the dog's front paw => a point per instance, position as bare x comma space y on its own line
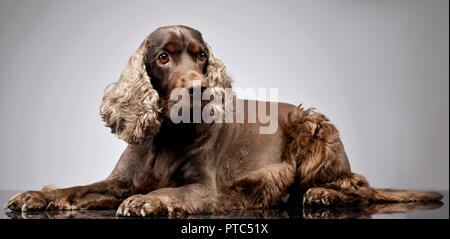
38, 200
30, 200
142, 205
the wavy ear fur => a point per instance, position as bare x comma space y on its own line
131, 107
216, 73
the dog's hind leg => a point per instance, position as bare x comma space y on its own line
316, 150
355, 190
349, 191
261, 188
322, 168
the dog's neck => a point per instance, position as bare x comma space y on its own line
183, 134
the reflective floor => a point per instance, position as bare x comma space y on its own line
411, 210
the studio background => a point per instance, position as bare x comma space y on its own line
378, 69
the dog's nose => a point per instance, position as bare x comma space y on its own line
196, 85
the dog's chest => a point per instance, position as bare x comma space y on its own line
161, 170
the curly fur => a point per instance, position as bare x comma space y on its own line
322, 166
131, 107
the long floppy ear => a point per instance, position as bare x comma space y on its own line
131, 107
216, 72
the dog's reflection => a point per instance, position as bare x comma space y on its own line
273, 213
368, 211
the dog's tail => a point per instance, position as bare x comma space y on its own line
357, 191
392, 195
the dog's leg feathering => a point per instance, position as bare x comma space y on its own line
323, 171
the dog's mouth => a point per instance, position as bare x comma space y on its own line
191, 99
194, 103
197, 91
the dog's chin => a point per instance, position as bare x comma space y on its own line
191, 106
194, 109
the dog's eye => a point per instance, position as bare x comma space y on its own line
163, 58
202, 56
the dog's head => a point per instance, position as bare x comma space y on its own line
170, 57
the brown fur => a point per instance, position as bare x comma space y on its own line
323, 168
172, 168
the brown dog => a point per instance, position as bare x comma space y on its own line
203, 168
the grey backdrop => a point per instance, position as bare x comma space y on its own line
378, 69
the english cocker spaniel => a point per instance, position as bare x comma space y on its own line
207, 167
